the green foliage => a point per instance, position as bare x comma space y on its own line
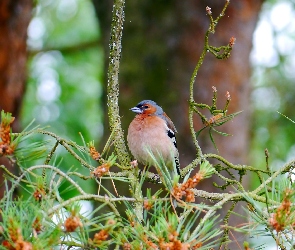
23, 220
278, 219
160, 228
45, 219
219, 116
273, 85
65, 72
6, 118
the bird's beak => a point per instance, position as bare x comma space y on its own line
136, 110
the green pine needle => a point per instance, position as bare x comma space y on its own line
286, 117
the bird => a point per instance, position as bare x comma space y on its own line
153, 132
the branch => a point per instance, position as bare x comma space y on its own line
61, 173
113, 94
69, 48
236, 167
240, 196
113, 82
207, 47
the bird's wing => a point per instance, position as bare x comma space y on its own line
171, 130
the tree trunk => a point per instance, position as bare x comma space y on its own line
15, 16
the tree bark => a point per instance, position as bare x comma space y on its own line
15, 16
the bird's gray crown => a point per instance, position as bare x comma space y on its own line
159, 109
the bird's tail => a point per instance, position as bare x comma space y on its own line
177, 165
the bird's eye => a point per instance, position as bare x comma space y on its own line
145, 106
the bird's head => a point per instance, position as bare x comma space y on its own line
147, 107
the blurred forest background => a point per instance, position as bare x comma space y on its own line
59, 78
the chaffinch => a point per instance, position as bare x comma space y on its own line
152, 129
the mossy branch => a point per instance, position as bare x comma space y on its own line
113, 82
113, 99
222, 52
